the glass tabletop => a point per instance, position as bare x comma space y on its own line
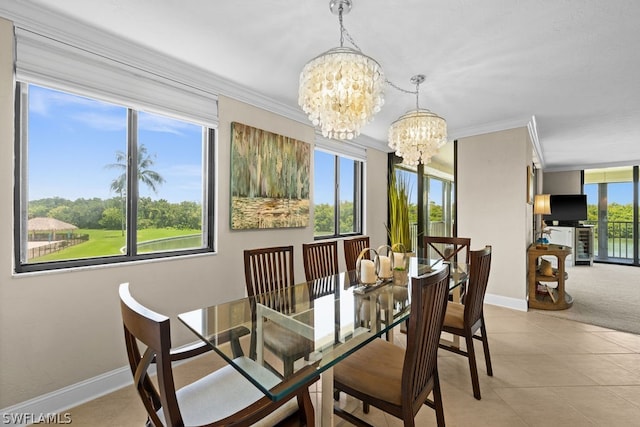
328, 318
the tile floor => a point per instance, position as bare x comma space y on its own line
547, 372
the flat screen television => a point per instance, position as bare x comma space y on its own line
567, 209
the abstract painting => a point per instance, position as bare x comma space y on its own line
269, 179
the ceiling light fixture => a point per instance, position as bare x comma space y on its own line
342, 89
419, 134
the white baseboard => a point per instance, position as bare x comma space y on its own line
512, 303
68, 397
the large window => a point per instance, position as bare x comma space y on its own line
337, 195
102, 183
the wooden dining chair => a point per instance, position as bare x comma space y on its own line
449, 249
269, 279
393, 379
464, 320
221, 398
352, 248
320, 259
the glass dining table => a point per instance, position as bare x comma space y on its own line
334, 315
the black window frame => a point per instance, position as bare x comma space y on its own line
209, 220
358, 198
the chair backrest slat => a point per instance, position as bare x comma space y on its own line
320, 259
269, 276
320, 265
429, 295
480, 267
352, 248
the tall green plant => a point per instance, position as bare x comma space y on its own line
398, 228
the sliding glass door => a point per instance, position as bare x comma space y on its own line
432, 195
612, 200
440, 206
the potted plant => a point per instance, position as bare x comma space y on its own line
399, 226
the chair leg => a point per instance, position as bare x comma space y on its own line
485, 346
288, 366
437, 400
471, 355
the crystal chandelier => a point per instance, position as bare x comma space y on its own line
418, 135
342, 89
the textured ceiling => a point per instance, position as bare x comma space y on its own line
490, 65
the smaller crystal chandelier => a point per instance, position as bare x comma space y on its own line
342, 89
418, 135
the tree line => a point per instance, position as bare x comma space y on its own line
616, 213
324, 214
96, 213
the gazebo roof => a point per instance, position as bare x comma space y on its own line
48, 224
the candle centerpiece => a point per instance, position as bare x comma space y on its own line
385, 257
367, 266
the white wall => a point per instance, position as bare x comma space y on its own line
492, 208
58, 329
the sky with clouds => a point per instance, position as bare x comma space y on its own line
73, 140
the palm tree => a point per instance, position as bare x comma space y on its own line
150, 178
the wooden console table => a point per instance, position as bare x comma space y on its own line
553, 298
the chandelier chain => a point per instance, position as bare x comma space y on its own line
396, 87
345, 33
342, 29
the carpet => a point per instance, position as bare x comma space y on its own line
604, 295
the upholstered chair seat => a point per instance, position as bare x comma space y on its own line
225, 392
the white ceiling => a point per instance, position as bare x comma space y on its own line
572, 66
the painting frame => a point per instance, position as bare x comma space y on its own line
269, 178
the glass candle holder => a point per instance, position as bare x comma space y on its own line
399, 257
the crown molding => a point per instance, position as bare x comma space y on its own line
485, 128
579, 167
532, 127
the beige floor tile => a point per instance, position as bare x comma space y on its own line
529, 343
552, 324
526, 370
630, 393
630, 362
600, 368
629, 341
540, 406
585, 342
600, 405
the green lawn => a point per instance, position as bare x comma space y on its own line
109, 242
